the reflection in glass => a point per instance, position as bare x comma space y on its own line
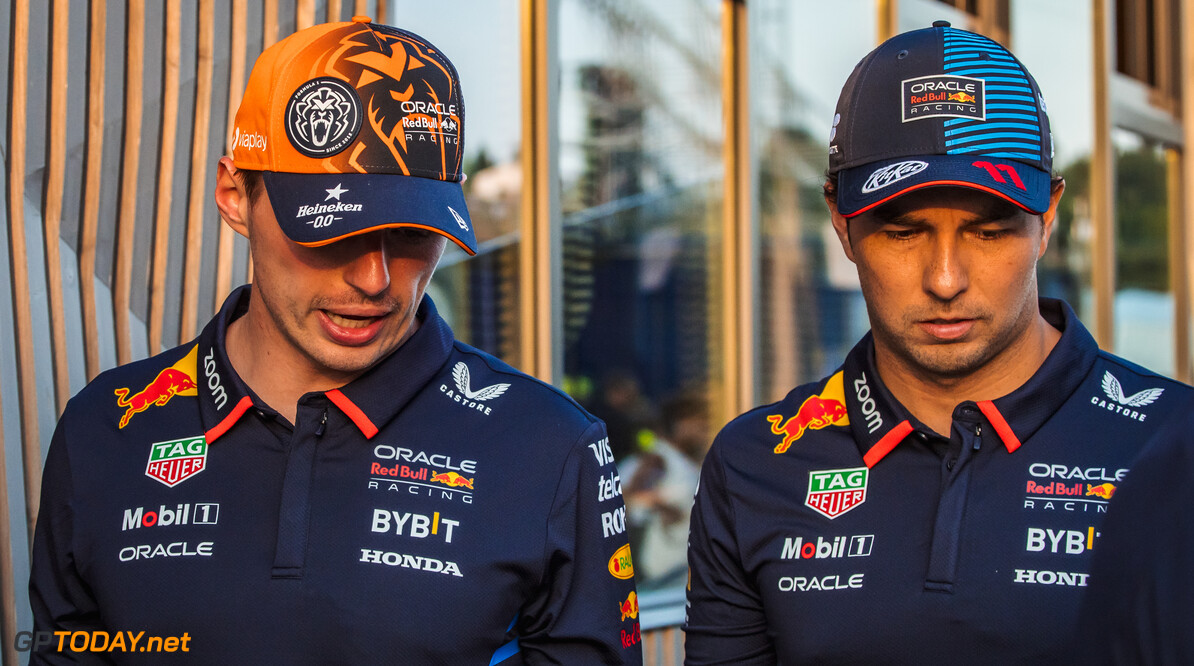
810, 306
1143, 298
642, 178
479, 296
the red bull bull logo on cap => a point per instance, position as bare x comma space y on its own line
815, 413
833, 492
178, 379
177, 460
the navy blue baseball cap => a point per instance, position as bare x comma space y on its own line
940, 107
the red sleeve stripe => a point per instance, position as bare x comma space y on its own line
230, 420
1005, 431
353, 412
887, 443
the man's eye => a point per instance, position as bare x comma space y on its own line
411, 234
991, 234
900, 234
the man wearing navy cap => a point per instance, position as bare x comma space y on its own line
938, 498
325, 475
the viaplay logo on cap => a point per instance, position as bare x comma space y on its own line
944, 96
323, 117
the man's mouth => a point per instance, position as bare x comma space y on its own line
947, 329
350, 321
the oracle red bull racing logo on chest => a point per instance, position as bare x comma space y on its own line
177, 460
815, 413
178, 379
833, 492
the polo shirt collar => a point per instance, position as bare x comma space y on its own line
879, 422
370, 401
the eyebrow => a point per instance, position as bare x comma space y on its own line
998, 211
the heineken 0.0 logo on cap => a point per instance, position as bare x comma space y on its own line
832, 492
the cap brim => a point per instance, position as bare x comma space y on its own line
315, 209
862, 188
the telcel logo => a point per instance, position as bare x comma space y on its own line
182, 514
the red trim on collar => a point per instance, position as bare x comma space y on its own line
353, 412
887, 443
230, 420
1010, 441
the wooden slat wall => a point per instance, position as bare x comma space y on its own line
111, 240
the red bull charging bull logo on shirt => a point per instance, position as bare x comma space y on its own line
815, 413
178, 379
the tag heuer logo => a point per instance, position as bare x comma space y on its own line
833, 492
177, 460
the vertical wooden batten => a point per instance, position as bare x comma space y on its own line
18, 260
1186, 84
738, 256
27, 380
1102, 182
889, 19
334, 11
1178, 265
54, 194
127, 211
536, 353
165, 184
236, 89
92, 183
304, 14
198, 194
269, 24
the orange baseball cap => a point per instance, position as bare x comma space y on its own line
357, 126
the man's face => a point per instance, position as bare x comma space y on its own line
948, 275
343, 306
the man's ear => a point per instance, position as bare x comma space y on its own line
1050, 215
841, 227
231, 198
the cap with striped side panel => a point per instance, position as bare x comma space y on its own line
936, 107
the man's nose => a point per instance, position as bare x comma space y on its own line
368, 269
945, 274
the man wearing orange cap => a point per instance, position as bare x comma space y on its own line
325, 474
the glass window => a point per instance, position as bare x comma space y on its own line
1144, 303
810, 308
1068, 88
641, 176
479, 296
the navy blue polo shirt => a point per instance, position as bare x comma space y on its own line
441, 508
833, 527
1140, 605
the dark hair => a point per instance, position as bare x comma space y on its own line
830, 186
252, 182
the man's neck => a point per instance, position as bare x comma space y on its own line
271, 365
932, 399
